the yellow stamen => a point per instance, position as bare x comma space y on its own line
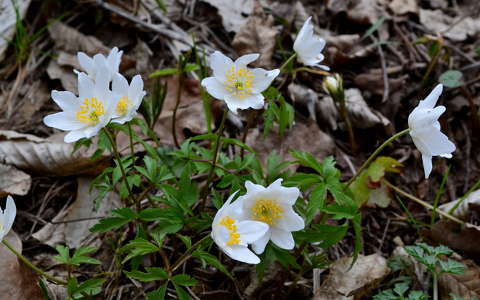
267, 211
123, 105
239, 82
90, 111
228, 223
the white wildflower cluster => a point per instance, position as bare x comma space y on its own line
104, 96
261, 215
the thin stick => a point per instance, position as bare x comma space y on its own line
374, 154
421, 202
186, 255
32, 266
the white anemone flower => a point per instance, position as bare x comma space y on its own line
236, 84
233, 236
425, 130
7, 217
87, 114
309, 46
130, 97
93, 65
272, 205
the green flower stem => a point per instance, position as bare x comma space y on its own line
120, 164
177, 104
374, 155
215, 155
32, 266
130, 136
288, 61
313, 71
435, 286
186, 255
421, 202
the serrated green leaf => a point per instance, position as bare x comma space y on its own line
184, 279
152, 274
212, 260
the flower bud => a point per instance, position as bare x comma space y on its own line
333, 85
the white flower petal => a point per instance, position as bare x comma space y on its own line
254, 101
66, 100
243, 254
309, 46
306, 30
85, 62
432, 98
8, 216
260, 244
63, 121
290, 221
427, 165
120, 85
285, 195
251, 231
244, 60
74, 136
262, 79
86, 86
220, 64
282, 238
135, 91
214, 87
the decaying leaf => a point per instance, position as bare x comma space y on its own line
47, 156
18, 281
327, 112
463, 209
304, 96
8, 20
361, 115
373, 81
462, 240
73, 224
13, 181
348, 282
257, 36
302, 137
456, 29
64, 74
402, 7
234, 13
366, 11
190, 116
344, 48
466, 286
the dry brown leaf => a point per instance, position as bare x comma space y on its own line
337, 6
402, 7
190, 116
302, 137
77, 234
13, 181
373, 81
348, 282
327, 111
463, 209
257, 36
8, 20
366, 11
462, 240
18, 281
344, 48
466, 286
64, 74
304, 96
361, 115
234, 13
456, 29
47, 156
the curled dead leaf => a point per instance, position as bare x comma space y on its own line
366, 11
13, 181
454, 28
304, 96
234, 13
49, 156
361, 115
463, 209
18, 281
73, 224
373, 81
402, 7
64, 74
348, 282
344, 48
257, 36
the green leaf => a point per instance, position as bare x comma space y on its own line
152, 274
451, 266
164, 72
184, 279
191, 67
451, 79
374, 27
138, 247
64, 256
181, 293
90, 287
80, 258
211, 260
125, 216
158, 294
316, 201
327, 235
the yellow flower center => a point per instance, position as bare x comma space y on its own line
239, 82
123, 105
229, 223
267, 211
90, 111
